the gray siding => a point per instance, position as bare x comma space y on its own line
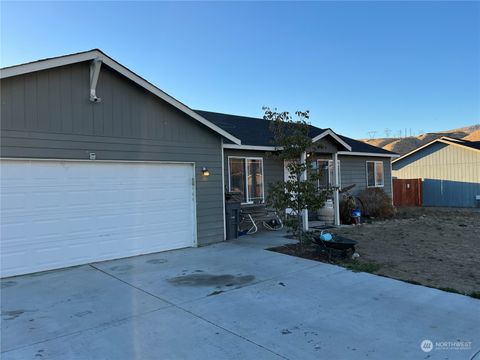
327, 146
272, 168
451, 174
47, 114
354, 171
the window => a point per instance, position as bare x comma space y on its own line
325, 167
246, 177
374, 173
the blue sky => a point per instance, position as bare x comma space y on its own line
357, 66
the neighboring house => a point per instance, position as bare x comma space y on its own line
449, 168
98, 163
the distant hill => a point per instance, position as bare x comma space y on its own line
474, 136
406, 144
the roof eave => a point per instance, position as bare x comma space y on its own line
335, 136
374, 154
444, 140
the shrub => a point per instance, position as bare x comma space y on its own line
475, 294
347, 205
376, 203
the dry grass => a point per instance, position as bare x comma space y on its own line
432, 247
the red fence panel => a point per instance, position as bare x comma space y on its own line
407, 192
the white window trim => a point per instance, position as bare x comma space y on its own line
330, 181
335, 136
375, 174
246, 158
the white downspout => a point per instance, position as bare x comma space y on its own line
303, 159
223, 193
336, 203
391, 179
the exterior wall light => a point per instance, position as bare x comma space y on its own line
205, 172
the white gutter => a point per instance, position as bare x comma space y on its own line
367, 154
273, 148
250, 147
47, 64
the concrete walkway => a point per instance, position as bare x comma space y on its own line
229, 301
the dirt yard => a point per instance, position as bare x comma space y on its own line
436, 247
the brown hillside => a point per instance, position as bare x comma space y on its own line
474, 136
407, 144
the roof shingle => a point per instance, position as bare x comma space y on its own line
256, 131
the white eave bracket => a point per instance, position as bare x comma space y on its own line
94, 73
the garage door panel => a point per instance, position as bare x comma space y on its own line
61, 213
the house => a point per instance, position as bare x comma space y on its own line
358, 163
449, 169
98, 163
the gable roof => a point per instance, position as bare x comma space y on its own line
471, 145
255, 133
97, 54
252, 131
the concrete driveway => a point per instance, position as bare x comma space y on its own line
230, 301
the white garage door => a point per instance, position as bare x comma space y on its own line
62, 213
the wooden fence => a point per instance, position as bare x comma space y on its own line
407, 192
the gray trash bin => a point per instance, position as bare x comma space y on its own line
232, 214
